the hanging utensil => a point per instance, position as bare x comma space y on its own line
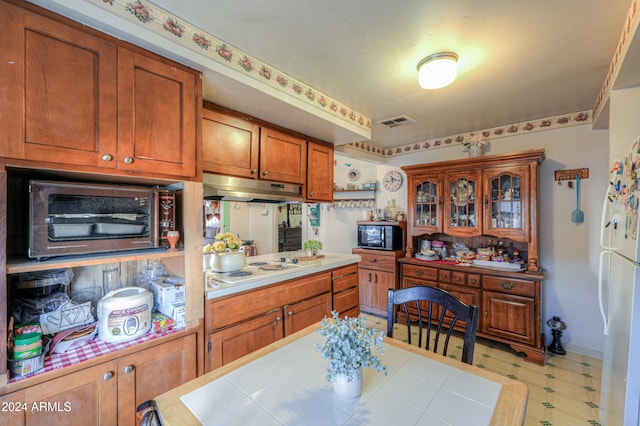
577, 216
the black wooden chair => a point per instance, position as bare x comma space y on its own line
403, 299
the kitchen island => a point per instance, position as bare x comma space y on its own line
278, 298
284, 383
220, 284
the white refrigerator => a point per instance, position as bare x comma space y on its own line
619, 292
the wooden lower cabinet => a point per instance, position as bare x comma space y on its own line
378, 272
240, 324
248, 336
302, 314
245, 337
509, 302
346, 291
146, 374
89, 396
107, 393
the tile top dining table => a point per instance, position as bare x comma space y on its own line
285, 383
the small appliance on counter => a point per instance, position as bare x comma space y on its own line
124, 314
379, 235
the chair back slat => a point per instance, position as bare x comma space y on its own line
400, 300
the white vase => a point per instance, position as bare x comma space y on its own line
475, 151
346, 389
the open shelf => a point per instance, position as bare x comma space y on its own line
19, 265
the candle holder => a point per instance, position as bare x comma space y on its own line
556, 325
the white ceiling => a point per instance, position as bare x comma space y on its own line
519, 60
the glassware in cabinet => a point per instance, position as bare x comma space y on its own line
507, 202
428, 203
462, 209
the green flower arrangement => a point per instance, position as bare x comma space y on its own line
348, 346
312, 245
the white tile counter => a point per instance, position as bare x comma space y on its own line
284, 383
330, 261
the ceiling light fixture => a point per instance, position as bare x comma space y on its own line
437, 70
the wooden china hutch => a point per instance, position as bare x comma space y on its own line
478, 202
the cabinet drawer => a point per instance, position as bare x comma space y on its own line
421, 272
345, 300
347, 270
509, 285
380, 262
459, 278
346, 281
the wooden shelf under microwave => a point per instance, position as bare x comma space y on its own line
20, 265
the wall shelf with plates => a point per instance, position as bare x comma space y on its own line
356, 198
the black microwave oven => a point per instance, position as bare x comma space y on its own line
68, 218
381, 237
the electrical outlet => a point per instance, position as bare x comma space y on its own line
392, 202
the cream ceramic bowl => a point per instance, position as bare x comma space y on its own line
228, 261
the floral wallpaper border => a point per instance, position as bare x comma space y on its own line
171, 27
630, 27
566, 120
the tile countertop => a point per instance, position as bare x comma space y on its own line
301, 269
284, 383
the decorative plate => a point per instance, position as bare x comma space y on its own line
353, 175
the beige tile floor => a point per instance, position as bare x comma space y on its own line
563, 392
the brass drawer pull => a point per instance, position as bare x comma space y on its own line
419, 272
507, 285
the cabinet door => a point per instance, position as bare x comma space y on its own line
151, 372
58, 99
462, 208
230, 145
426, 203
509, 316
283, 158
319, 172
88, 396
245, 337
302, 314
156, 116
365, 284
506, 199
382, 282
467, 295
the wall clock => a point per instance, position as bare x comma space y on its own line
392, 181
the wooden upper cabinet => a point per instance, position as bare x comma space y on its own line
230, 145
506, 199
58, 91
156, 116
319, 172
426, 197
283, 157
462, 203
72, 96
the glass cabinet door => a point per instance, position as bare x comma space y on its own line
428, 203
462, 212
507, 202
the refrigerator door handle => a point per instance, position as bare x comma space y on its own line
600, 289
604, 223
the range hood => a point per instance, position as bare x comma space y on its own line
227, 188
